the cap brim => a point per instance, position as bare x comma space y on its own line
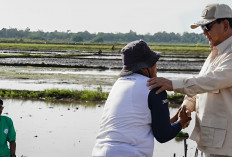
202, 23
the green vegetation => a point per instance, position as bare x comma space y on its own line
186, 49
71, 95
181, 136
175, 99
166, 49
21, 36
56, 94
59, 47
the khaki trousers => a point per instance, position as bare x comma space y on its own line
212, 155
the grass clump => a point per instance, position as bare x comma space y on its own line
181, 136
61, 94
56, 94
175, 99
73, 95
93, 95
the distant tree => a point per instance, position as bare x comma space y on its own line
193, 38
36, 36
86, 35
77, 38
67, 36
3, 33
130, 36
97, 39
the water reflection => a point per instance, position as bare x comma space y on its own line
49, 129
67, 129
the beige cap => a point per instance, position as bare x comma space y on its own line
213, 12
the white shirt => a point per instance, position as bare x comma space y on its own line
125, 129
213, 91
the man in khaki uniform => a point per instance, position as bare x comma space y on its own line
210, 93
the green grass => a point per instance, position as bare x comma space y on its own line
56, 94
175, 99
186, 49
181, 136
37, 47
72, 95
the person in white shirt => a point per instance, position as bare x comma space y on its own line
133, 115
210, 93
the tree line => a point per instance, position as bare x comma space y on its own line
16, 35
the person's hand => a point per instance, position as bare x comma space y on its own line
189, 103
184, 117
175, 117
161, 82
188, 113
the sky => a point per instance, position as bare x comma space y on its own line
108, 16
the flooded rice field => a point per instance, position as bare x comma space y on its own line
109, 60
41, 78
65, 130
163, 65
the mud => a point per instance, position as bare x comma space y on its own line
103, 62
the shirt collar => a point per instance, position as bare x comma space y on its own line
222, 46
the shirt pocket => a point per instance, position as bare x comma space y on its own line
213, 132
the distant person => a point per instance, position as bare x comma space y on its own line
7, 134
133, 115
210, 93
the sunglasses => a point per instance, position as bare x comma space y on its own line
208, 27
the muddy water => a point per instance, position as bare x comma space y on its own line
58, 130
65, 130
46, 129
41, 78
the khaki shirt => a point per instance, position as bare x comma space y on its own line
212, 89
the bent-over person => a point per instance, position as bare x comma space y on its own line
133, 115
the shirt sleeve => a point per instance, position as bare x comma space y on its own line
190, 103
11, 134
162, 129
219, 77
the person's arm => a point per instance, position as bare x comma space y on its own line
162, 129
11, 138
190, 104
12, 148
219, 78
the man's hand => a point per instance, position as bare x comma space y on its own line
161, 82
175, 117
183, 117
189, 103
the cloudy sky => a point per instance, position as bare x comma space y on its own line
111, 16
